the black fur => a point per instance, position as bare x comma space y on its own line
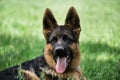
32, 65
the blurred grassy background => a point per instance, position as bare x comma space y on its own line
21, 35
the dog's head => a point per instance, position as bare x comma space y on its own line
62, 49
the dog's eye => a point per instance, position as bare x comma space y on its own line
66, 38
54, 39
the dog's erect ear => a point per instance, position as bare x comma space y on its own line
73, 20
49, 22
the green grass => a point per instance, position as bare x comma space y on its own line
21, 35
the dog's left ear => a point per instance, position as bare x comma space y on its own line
73, 20
49, 23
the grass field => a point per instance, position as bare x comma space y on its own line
21, 35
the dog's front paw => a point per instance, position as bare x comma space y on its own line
28, 75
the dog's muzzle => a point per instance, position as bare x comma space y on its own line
62, 58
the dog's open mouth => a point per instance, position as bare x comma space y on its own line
61, 64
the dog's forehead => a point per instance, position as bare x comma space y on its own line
61, 30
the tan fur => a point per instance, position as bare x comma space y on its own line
76, 55
48, 56
28, 75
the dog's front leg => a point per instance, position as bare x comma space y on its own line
28, 75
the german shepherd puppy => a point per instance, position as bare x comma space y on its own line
61, 58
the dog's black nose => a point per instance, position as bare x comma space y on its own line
60, 51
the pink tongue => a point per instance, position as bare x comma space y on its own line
61, 65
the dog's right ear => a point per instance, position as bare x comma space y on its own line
73, 20
49, 23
